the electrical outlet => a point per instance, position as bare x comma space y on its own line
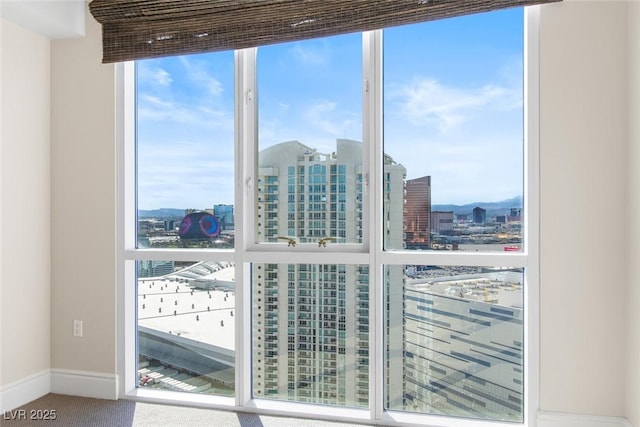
77, 328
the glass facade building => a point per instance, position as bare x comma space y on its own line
312, 197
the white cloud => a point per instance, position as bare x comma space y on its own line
317, 124
325, 116
185, 126
156, 109
194, 173
317, 115
197, 73
162, 77
426, 101
166, 113
155, 101
474, 165
155, 76
283, 108
307, 54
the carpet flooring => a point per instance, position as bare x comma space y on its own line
71, 411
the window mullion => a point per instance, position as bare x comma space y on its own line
126, 225
246, 125
245, 143
372, 135
477, 259
532, 210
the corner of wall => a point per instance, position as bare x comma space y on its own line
85, 384
632, 391
24, 391
25, 255
83, 248
583, 197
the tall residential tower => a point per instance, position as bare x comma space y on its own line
311, 321
417, 213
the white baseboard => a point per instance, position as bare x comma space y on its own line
24, 391
558, 419
85, 384
105, 386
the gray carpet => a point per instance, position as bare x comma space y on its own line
85, 412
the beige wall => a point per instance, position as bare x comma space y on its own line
25, 205
83, 205
583, 204
633, 294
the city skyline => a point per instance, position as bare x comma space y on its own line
310, 322
470, 206
470, 123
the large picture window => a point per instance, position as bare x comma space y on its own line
461, 101
185, 151
310, 150
454, 341
343, 222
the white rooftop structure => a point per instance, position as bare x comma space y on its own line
172, 304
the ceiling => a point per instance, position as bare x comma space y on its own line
53, 19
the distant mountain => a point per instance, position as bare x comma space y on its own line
161, 213
492, 208
501, 207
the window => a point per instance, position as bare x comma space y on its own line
186, 326
185, 152
184, 155
310, 121
451, 329
343, 222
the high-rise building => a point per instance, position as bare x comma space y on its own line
171, 224
479, 215
311, 321
515, 214
417, 213
150, 268
442, 222
224, 213
464, 345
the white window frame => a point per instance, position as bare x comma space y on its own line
247, 135
371, 252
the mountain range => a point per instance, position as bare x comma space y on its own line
502, 207
493, 208
161, 213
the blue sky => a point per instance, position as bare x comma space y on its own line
453, 110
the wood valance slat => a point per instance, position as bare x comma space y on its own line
136, 29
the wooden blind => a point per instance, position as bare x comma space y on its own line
137, 29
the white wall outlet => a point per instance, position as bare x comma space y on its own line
77, 328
